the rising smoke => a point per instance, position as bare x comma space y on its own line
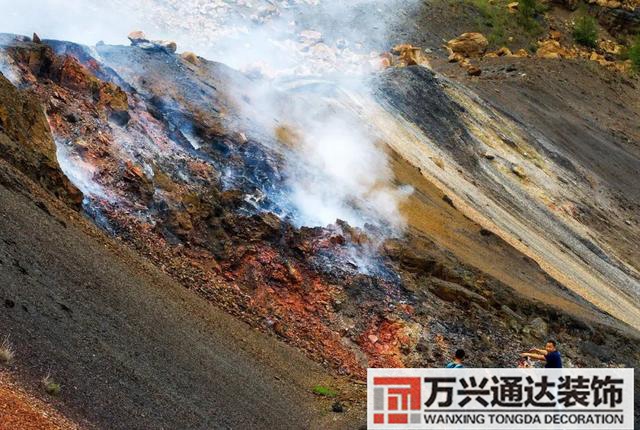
335, 168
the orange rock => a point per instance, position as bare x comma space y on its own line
521, 53
455, 58
469, 44
504, 52
473, 70
552, 49
137, 37
190, 57
410, 55
555, 35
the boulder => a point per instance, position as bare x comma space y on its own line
137, 37
538, 328
473, 70
552, 49
511, 313
610, 47
451, 292
455, 58
469, 44
190, 57
521, 53
410, 55
167, 45
504, 52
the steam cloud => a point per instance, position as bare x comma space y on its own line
336, 170
79, 172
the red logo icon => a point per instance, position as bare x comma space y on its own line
396, 400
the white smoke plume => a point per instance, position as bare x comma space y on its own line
79, 172
336, 170
340, 173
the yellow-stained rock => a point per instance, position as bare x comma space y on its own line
552, 49
469, 44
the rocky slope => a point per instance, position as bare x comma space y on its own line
155, 175
517, 209
131, 348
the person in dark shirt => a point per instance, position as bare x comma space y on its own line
457, 360
550, 355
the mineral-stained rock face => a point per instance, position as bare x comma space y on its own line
174, 158
26, 141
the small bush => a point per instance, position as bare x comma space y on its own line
528, 8
7, 353
634, 53
50, 386
528, 11
585, 31
324, 391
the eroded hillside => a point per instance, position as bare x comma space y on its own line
445, 200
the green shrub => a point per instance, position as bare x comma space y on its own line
634, 53
531, 8
585, 30
528, 8
50, 386
528, 11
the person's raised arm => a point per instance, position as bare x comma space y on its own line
539, 357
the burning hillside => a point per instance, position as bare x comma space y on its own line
371, 205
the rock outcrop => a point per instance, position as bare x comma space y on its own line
138, 38
27, 143
469, 45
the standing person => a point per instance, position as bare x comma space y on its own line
550, 355
457, 360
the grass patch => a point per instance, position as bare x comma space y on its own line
525, 23
585, 30
7, 352
528, 12
51, 386
321, 390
